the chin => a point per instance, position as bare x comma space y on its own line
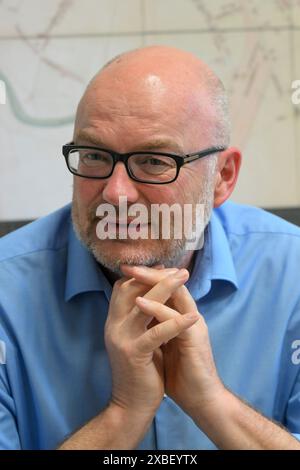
112, 253
126, 250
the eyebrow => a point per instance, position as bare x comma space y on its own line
157, 143
87, 137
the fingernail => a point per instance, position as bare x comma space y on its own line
181, 274
142, 268
126, 266
142, 300
191, 316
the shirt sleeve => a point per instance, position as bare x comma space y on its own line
9, 437
292, 414
293, 410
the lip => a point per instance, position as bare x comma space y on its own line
112, 222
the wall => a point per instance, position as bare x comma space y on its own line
49, 50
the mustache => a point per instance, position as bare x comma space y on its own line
91, 212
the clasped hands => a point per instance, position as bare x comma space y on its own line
158, 343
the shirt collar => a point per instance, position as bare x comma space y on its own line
83, 272
213, 262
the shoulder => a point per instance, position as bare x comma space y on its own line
33, 263
48, 233
243, 220
266, 255
34, 257
261, 242
265, 250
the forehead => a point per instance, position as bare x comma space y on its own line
91, 136
144, 105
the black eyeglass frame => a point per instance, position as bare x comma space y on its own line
123, 157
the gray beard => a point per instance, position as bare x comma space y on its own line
170, 256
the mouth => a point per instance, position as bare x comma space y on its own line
136, 227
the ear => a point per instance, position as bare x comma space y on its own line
228, 167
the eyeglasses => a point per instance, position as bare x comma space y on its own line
144, 167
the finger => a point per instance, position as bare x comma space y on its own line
161, 313
155, 309
164, 332
124, 294
182, 300
163, 290
159, 266
155, 266
149, 276
117, 285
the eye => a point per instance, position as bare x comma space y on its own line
95, 158
155, 162
143, 165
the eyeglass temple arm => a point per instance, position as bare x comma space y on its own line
205, 153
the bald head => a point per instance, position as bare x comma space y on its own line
156, 78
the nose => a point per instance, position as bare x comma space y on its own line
119, 184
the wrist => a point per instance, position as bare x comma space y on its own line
205, 409
112, 428
128, 422
128, 414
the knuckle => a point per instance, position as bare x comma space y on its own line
179, 322
203, 324
112, 336
108, 329
109, 338
126, 350
201, 319
155, 332
123, 350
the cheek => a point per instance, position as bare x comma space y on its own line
167, 194
183, 190
87, 191
188, 187
192, 183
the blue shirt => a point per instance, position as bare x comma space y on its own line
54, 369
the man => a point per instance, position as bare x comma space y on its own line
107, 343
